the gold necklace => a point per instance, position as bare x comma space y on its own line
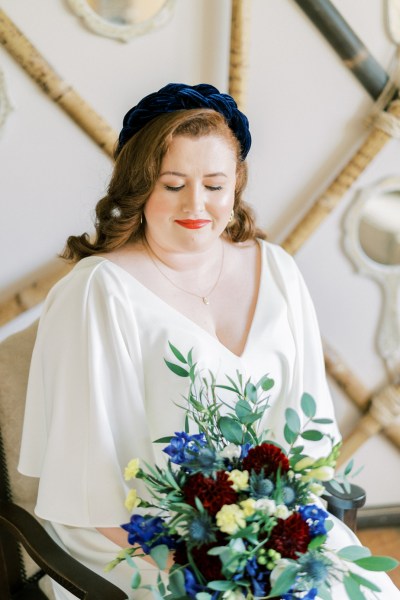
205, 298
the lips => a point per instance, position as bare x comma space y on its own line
193, 223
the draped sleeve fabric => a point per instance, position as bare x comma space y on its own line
308, 369
85, 414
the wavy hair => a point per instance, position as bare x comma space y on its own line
119, 215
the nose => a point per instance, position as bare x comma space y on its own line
193, 199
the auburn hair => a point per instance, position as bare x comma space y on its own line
137, 167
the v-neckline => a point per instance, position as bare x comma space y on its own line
188, 319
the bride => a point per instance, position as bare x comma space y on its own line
177, 258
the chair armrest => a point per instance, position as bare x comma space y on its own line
345, 505
54, 561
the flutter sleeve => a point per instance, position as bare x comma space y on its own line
85, 414
309, 374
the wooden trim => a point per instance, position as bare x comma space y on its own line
239, 51
379, 516
54, 86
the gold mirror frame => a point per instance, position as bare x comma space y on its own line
5, 105
124, 33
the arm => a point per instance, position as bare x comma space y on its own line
120, 537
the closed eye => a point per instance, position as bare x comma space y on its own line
214, 188
172, 188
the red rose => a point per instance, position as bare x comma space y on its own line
267, 457
290, 536
213, 493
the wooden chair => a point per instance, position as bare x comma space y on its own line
24, 544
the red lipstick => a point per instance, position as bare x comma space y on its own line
193, 223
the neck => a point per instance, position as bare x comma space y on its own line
185, 261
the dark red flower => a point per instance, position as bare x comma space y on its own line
290, 536
267, 457
209, 566
213, 493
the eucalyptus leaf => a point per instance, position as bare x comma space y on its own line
267, 383
353, 589
292, 420
164, 440
180, 371
221, 585
176, 582
322, 421
312, 434
365, 582
349, 467
317, 541
353, 552
290, 437
178, 354
231, 430
136, 580
251, 392
203, 596
242, 409
160, 556
308, 405
285, 580
377, 563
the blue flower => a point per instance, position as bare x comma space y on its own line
200, 529
245, 450
315, 567
147, 531
183, 446
259, 577
311, 594
191, 586
315, 518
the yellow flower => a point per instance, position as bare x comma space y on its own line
132, 500
321, 473
230, 518
248, 506
239, 479
132, 469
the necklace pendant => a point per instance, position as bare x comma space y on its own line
205, 300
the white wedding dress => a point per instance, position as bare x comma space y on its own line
100, 393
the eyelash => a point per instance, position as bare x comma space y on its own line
212, 188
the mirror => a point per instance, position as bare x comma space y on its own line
5, 106
372, 241
123, 19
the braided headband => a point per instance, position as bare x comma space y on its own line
178, 96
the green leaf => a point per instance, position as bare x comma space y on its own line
308, 405
251, 392
317, 541
292, 420
365, 582
242, 409
160, 556
285, 580
231, 430
177, 369
267, 383
377, 563
312, 434
164, 440
178, 354
354, 552
353, 589
221, 586
203, 596
136, 580
349, 467
322, 421
290, 437
176, 582
190, 358
217, 550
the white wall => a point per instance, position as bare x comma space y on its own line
307, 114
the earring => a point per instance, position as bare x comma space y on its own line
232, 216
141, 218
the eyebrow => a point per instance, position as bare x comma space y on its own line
218, 174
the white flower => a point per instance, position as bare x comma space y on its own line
321, 473
266, 505
231, 451
316, 488
282, 511
233, 595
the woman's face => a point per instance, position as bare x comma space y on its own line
192, 200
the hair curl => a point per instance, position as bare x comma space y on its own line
119, 215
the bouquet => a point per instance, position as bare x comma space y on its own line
240, 513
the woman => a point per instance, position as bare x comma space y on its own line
177, 258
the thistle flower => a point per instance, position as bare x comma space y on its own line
200, 530
260, 487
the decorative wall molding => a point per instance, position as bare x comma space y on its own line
124, 33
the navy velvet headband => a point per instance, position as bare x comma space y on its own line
178, 96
